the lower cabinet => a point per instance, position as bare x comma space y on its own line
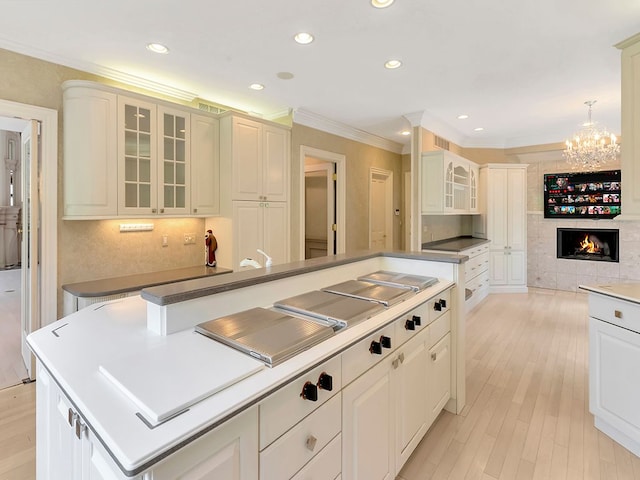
439, 374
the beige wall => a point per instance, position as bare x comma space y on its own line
90, 250
359, 158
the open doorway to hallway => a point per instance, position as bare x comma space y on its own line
12, 367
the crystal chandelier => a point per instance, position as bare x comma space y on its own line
592, 146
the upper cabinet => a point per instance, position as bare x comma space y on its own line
449, 184
126, 155
260, 154
630, 145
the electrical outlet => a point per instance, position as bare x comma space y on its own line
189, 238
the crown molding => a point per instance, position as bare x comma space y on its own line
313, 120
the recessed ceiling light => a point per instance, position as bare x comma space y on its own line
479, 129
303, 38
381, 3
405, 132
157, 48
464, 116
256, 86
391, 64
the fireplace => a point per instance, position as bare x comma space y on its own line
599, 244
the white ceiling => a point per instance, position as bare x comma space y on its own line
521, 70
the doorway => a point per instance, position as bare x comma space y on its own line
31, 185
323, 199
380, 209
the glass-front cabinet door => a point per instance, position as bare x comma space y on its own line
137, 157
174, 172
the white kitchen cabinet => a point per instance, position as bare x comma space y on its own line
504, 221
90, 173
630, 146
367, 429
476, 275
205, 165
448, 184
439, 375
260, 157
260, 225
411, 384
174, 161
136, 156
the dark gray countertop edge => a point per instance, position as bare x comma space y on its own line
455, 244
191, 289
131, 283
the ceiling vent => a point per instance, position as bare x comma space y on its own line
205, 107
441, 142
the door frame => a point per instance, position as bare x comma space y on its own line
388, 203
341, 192
48, 187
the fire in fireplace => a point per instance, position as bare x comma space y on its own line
599, 244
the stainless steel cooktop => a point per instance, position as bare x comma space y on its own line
402, 280
268, 335
336, 309
383, 294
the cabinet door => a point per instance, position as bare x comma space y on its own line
174, 152
247, 159
498, 268
439, 376
275, 163
248, 232
276, 231
473, 188
410, 379
137, 157
431, 184
205, 165
516, 208
229, 452
367, 442
497, 208
90, 153
517, 268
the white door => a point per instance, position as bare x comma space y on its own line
30, 240
380, 210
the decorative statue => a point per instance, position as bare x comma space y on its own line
212, 245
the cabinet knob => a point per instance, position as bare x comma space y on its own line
72, 417
617, 313
417, 320
401, 357
309, 392
410, 325
80, 428
385, 341
162, 210
153, 210
325, 382
311, 442
434, 356
375, 348
443, 302
195, 210
437, 306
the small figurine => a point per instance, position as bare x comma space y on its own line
212, 245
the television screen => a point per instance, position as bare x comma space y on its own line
582, 194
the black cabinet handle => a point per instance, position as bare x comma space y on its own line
437, 306
309, 392
325, 382
375, 348
409, 325
417, 320
443, 303
385, 341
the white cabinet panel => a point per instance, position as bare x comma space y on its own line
439, 376
205, 165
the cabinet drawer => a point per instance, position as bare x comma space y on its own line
439, 328
404, 324
477, 265
358, 358
438, 305
284, 408
472, 252
324, 466
615, 311
294, 449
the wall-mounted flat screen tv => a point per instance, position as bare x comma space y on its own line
582, 194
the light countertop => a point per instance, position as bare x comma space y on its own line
623, 291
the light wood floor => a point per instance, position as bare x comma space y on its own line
12, 369
527, 413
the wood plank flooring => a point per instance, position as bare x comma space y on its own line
12, 369
527, 415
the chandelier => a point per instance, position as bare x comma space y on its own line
592, 146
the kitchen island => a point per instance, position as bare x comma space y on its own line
126, 389
614, 357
